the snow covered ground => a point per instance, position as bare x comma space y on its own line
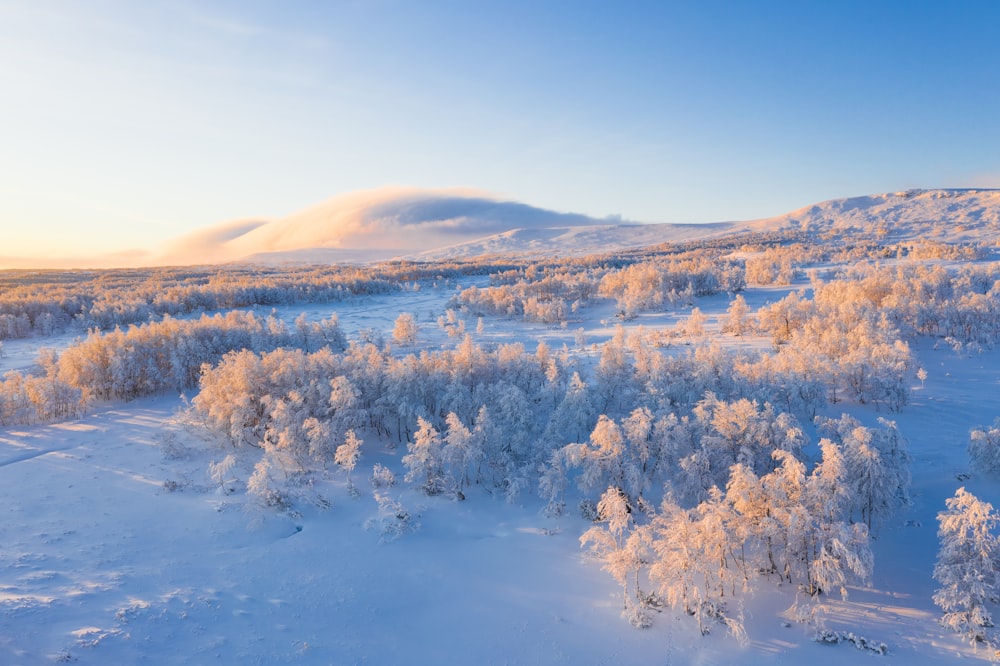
116, 546
119, 550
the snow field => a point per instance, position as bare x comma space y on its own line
117, 549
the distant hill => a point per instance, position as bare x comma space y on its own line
447, 224
434, 225
949, 215
369, 225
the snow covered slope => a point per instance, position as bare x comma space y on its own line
368, 225
577, 241
955, 215
950, 215
434, 225
429, 225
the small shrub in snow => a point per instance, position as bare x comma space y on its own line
393, 519
831, 637
263, 488
637, 616
382, 477
588, 509
172, 448
222, 474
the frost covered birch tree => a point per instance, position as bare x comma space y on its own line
347, 455
621, 549
967, 566
424, 462
984, 448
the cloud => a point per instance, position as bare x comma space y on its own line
389, 220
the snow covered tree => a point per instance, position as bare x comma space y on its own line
393, 520
753, 526
984, 448
552, 483
405, 330
621, 549
967, 566
615, 378
222, 473
713, 521
744, 432
461, 454
382, 477
346, 412
643, 452
674, 569
424, 462
785, 487
285, 441
877, 467
319, 441
600, 459
839, 549
738, 317
347, 455
265, 489
694, 325
677, 569
574, 417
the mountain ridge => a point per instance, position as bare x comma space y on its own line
430, 225
442, 224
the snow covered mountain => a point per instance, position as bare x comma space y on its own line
448, 224
440, 224
948, 215
951, 215
368, 225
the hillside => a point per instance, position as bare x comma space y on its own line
945, 215
369, 226
439, 225
436, 225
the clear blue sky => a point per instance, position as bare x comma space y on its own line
125, 122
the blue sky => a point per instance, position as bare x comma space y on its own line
126, 122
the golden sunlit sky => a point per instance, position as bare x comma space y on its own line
126, 123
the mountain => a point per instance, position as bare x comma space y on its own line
429, 225
368, 225
577, 241
948, 215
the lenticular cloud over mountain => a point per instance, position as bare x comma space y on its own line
373, 224
449, 224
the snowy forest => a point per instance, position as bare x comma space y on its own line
724, 428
